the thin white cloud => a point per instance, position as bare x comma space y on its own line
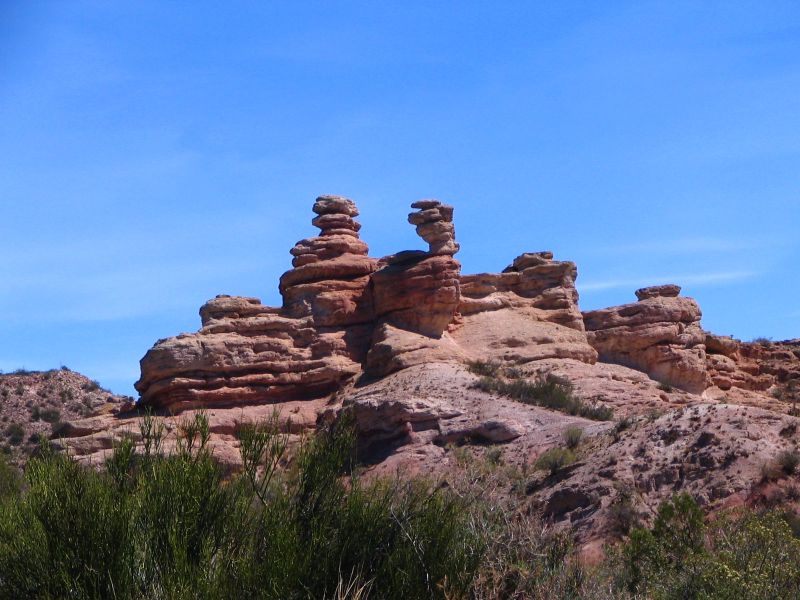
700, 279
670, 247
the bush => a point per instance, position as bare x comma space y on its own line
573, 437
91, 386
493, 456
50, 415
554, 459
788, 460
155, 526
737, 555
15, 434
10, 479
552, 392
483, 367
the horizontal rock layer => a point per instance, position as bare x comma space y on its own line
345, 313
659, 335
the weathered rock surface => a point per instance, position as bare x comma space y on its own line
434, 222
755, 366
389, 339
715, 452
416, 296
659, 335
247, 353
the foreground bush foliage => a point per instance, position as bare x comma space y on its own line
173, 527
154, 527
738, 556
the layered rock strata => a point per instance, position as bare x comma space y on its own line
754, 366
416, 296
247, 353
659, 335
528, 312
345, 313
331, 271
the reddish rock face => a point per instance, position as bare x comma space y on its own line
416, 296
345, 313
331, 271
755, 366
532, 281
659, 335
248, 353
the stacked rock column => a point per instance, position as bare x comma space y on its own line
331, 271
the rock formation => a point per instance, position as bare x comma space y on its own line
528, 312
659, 335
416, 296
389, 340
249, 353
331, 271
755, 366
345, 313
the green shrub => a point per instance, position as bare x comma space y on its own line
50, 415
737, 555
573, 437
551, 392
493, 456
485, 368
15, 434
554, 459
10, 479
153, 526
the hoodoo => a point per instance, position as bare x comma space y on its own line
345, 314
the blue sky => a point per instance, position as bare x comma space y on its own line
155, 154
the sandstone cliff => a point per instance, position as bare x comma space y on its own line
427, 358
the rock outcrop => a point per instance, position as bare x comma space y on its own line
755, 366
416, 296
331, 271
248, 353
526, 313
659, 335
345, 314
389, 340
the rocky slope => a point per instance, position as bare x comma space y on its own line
40, 403
430, 360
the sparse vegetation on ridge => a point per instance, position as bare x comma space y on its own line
551, 392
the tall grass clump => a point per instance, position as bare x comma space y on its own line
172, 526
550, 392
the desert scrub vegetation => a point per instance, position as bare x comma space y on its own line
305, 527
743, 555
153, 526
554, 459
572, 437
550, 392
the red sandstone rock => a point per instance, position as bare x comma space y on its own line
659, 335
